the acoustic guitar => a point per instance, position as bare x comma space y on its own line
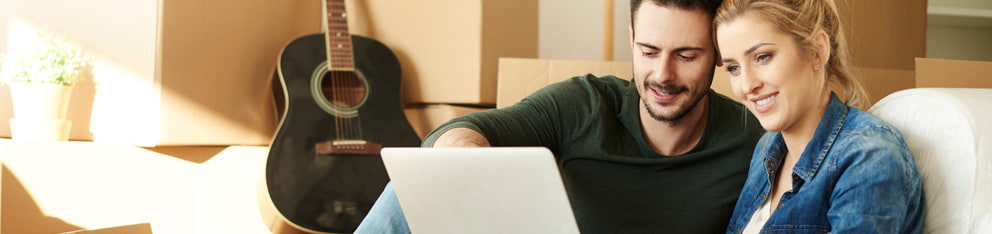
342, 105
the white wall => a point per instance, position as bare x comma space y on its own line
963, 43
621, 34
981, 4
573, 29
960, 29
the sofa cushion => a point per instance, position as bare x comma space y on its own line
949, 131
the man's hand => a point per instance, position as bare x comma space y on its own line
461, 137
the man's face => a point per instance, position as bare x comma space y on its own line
673, 59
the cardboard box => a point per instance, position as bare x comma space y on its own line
884, 37
944, 73
167, 72
881, 82
426, 118
519, 77
885, 34
448, 49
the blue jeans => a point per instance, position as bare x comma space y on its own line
385, 215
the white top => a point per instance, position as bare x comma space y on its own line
759, 218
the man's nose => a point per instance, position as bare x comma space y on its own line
664, 69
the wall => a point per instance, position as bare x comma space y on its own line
959, 29
573, 30
954, 42
621, 36
123, 50
166, 72
980, 4
570, 29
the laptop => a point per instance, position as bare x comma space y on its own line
479, 190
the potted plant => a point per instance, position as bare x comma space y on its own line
41, 80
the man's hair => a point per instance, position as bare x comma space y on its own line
709, 6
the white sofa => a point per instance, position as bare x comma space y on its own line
949, 131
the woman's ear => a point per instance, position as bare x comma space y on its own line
822, 54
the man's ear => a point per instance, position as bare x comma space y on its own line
630, 32
717, 57
822, 54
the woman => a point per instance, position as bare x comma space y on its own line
824, 165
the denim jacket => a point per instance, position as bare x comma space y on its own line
856, 175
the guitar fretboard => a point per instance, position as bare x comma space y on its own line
339, 51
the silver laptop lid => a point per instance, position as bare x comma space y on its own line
480, 190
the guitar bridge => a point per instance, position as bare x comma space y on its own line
360, 147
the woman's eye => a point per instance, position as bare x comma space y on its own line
763, 58
734, 69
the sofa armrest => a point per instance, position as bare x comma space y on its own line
949, 131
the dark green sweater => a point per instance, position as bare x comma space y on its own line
615, 182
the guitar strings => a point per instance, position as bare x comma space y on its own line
334, 76
358, 85
346, 85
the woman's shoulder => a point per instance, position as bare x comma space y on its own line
865, 137
872, 149
861, 124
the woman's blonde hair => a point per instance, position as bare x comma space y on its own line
803, 19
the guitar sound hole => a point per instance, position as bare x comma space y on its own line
344, 89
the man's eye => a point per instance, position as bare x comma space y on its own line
763, 58
686, 58
734, 69
648, 53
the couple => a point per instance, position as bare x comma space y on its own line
664, 153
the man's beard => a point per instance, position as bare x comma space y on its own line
680, 113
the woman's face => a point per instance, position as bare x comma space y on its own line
770, 74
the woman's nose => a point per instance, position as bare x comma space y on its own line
749, 83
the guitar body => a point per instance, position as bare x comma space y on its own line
316, 189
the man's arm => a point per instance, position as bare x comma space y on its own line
461, 137
537, 120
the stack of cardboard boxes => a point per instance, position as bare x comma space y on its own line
185, 73
448, 49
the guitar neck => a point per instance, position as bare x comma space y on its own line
340, 55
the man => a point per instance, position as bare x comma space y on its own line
658, 153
